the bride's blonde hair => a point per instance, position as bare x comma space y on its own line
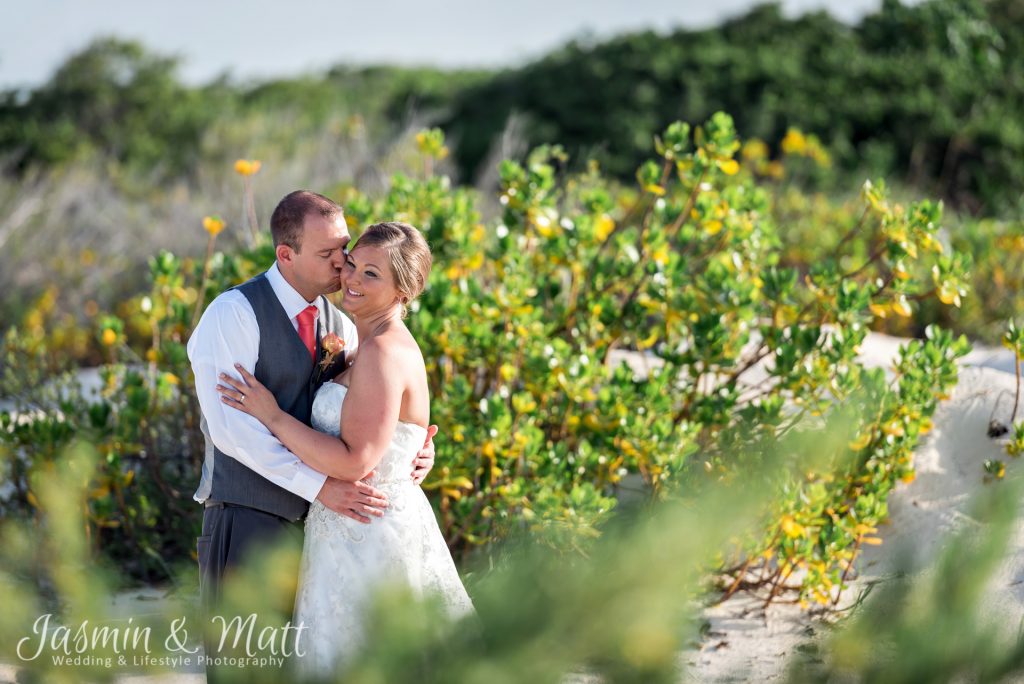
408, 253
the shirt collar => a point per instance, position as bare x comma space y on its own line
289, 297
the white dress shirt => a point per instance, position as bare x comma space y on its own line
228, 334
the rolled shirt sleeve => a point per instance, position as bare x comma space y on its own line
228, 334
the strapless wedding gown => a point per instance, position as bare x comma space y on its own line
345, 561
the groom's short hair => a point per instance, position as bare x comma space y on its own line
289, 216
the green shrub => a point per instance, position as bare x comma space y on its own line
524, 315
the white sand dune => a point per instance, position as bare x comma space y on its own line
950, 472
746, 643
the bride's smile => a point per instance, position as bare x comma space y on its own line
367, 284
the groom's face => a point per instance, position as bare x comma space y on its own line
316, 267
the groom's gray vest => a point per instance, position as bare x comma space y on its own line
285, 368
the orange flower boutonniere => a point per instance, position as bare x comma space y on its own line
332, 345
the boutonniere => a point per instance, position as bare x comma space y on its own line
332, 345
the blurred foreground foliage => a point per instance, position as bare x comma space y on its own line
596, 343
624, 613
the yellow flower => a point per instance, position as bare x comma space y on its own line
729, 167
774, 169
247, 167
754, 149
791, 527
794, 142
928, 242
894, 428
171, 379
543, 222
462, 482
902, 307
862, 441
603, 227
949, 295
431, 143
661, 255
880, 310
109, 336
526, 404
655, 189
213, 225
648, 342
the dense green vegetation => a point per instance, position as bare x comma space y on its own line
118, 102
928, 95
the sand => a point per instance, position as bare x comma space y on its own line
746, 643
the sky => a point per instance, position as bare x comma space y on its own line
267, 38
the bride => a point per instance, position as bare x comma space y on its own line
368, 423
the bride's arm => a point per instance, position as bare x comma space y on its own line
371, 413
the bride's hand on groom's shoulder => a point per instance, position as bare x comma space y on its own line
356, 500
424, 460
248, 395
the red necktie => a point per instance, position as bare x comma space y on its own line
307, 329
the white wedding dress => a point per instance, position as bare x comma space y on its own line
345, 561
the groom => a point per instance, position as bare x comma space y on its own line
254, 489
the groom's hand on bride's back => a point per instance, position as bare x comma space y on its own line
357, 500
424, 460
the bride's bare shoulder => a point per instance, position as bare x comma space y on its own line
396, 349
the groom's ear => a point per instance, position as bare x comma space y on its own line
284, 253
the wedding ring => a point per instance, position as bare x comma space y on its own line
242, 400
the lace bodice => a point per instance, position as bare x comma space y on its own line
396, 464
